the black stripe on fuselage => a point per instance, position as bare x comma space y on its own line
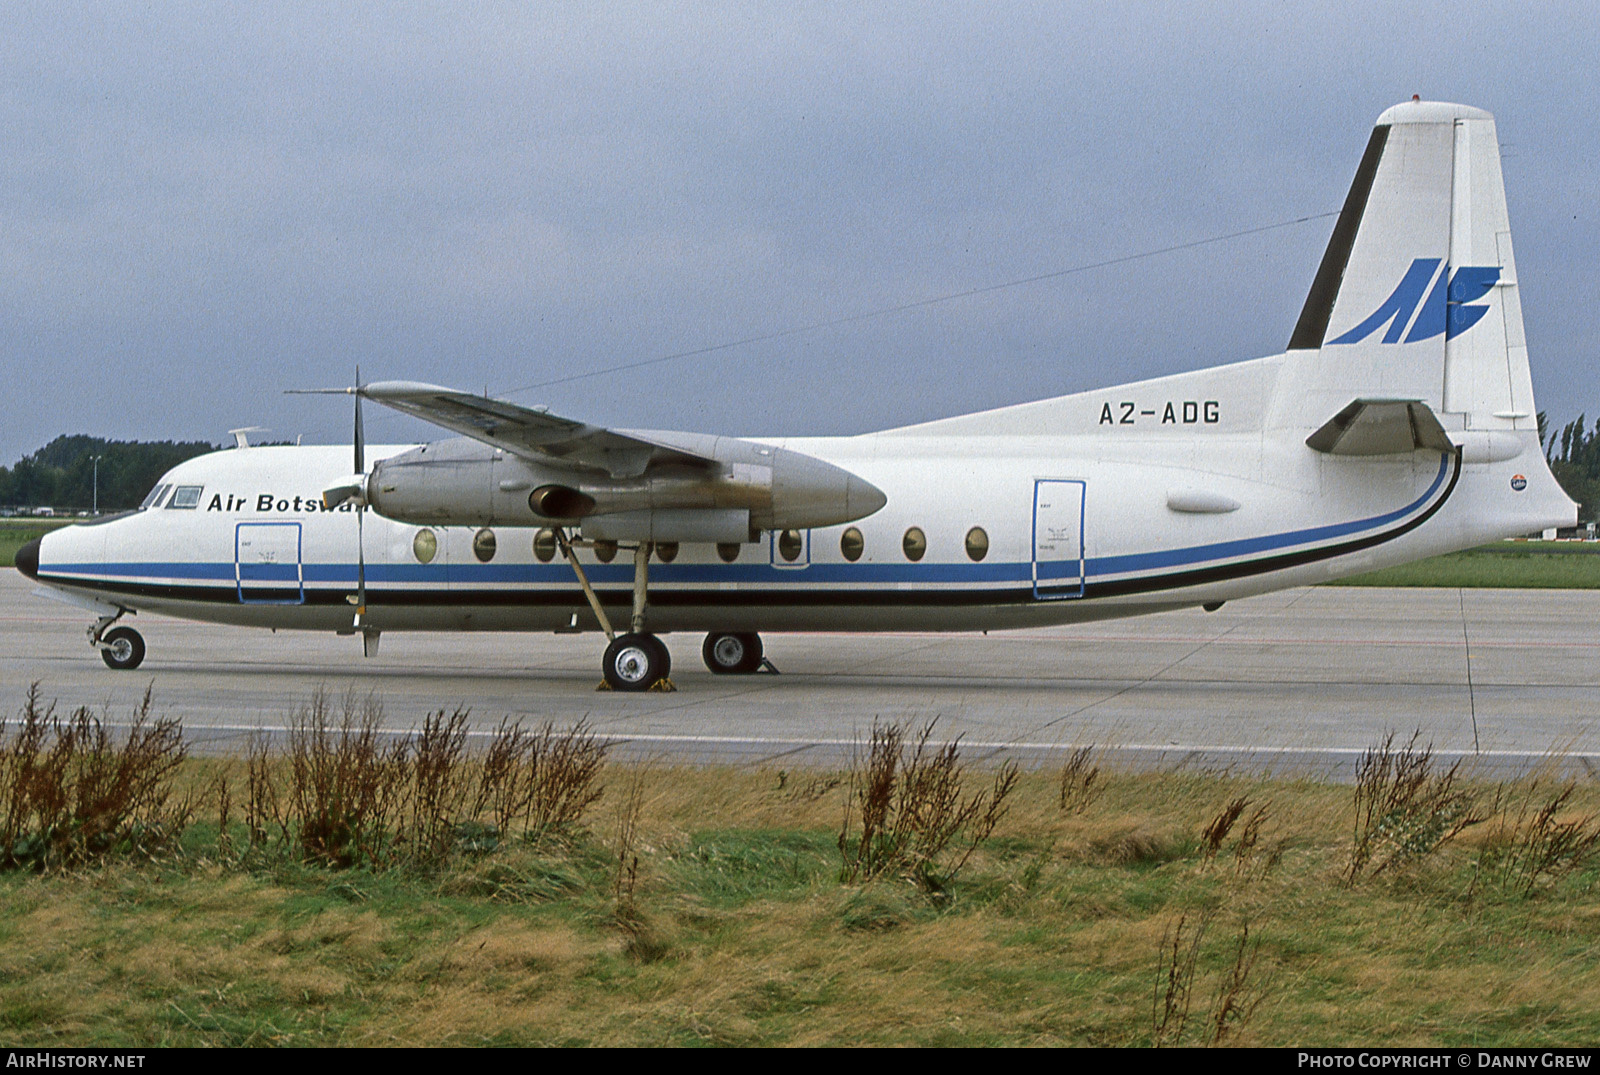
1011, 595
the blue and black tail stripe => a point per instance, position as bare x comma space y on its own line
1279, 561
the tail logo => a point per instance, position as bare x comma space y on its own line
1446, 310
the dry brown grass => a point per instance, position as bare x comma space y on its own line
1081, 782
72, 791
1406, 807
1539, 835
1049, 935
910, 805
347, 793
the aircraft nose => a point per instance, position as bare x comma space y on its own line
28, 558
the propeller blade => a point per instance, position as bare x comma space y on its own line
352, 491
361, 439
358, 494
361, 567
352, 488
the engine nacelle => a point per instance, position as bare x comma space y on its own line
746, 488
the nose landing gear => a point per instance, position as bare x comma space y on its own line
121, 648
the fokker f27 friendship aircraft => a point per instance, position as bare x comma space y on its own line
1399, 424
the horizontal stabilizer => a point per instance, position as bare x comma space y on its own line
1381, 427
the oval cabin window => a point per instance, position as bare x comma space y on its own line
667, 551
425, 546
544, 545
483, 545
728, 551
977, 543
790, 545
915, 543
852, 544
605, 551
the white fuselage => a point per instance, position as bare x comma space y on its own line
1136, 499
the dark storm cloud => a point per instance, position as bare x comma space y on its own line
205, 205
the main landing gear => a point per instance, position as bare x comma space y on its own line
637, 660
732, 654
121, 648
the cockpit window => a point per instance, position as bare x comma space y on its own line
154, 499
186, 496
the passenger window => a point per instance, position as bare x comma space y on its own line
915, 544
728, 551
791, 545
186, 496
977, 543
154, 499
852, 544
605, 551
483, 545
544, 545
667, 551
425, 546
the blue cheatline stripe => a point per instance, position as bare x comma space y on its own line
558, 574
1223, 550
269, 573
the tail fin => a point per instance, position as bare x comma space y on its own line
1416, 297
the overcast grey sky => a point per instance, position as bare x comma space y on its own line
203, 205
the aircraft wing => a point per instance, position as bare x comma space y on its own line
531, 432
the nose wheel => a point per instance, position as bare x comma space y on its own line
122, 648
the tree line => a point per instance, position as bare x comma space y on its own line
61, 475
1574, 458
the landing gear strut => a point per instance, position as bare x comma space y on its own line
637, 660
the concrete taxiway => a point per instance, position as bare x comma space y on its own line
1301, 680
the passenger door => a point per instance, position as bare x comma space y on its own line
266, 564
1057, 539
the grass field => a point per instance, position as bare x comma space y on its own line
1562, 565
726, 923
15, 533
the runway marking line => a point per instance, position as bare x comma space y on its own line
971, 744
